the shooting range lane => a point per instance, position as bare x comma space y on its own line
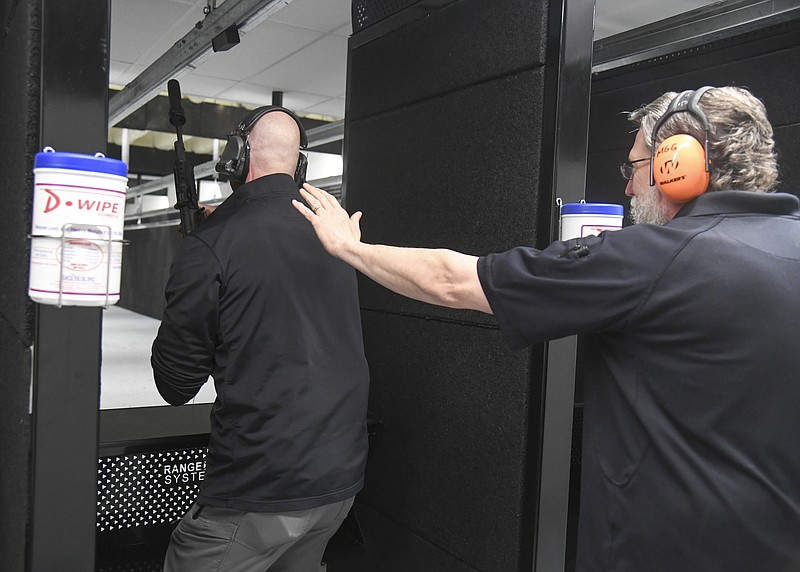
126, 376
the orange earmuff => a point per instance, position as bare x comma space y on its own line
679, 168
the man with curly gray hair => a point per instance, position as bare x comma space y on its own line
741, 149
691, 322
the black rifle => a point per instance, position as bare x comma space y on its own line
185, 187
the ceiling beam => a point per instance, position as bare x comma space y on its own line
715, 22
188, 52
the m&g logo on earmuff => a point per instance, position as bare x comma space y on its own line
664, 148
669, 165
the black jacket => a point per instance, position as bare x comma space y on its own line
254, 301
690, 370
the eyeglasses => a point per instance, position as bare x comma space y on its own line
626, 168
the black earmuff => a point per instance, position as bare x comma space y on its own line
235, 158
680, 166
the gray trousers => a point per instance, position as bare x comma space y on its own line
211, 539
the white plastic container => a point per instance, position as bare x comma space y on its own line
69, 188
584, 219
77, 228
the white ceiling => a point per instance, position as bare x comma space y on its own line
300, 50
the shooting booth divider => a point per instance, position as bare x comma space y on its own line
453, 111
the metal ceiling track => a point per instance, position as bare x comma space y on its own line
718, 21
189, 52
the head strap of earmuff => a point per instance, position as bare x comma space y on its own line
686, 101
247, 124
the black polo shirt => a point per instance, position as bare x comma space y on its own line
255, 301
691, 451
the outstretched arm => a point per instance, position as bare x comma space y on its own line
437, 276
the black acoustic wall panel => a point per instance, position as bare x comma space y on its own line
466, 180
767, 62
450, 473
366, 13
443, 50
436, 156
444, 147
19, 92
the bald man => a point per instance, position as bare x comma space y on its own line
254, 301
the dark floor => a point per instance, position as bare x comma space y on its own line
139, 558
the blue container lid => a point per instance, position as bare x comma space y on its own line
78, 162
592, 209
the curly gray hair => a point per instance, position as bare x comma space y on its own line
740, 146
